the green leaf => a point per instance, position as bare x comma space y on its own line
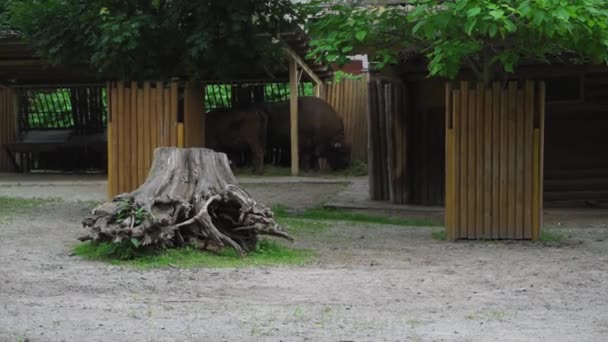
509, 26
497, 14
347, 49
493, 30
562, 14
473, 11
469, 26
360, 35
135, 242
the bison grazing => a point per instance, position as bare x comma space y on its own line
320, 130
236, 131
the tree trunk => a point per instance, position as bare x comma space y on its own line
190, 196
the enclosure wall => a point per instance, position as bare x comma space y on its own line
494, 154
141, 118
349, 98
8, 126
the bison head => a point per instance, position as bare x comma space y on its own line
338, 155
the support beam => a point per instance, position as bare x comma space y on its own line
293, 101
294, 56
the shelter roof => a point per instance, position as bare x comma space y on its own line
20, 64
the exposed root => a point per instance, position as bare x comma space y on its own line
190, 196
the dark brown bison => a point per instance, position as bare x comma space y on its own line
234, 131
320, 131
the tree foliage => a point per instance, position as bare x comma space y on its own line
154, 38
489, 36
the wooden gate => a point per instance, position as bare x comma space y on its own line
8, 125
494, 161
143, 117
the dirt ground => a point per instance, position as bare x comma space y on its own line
368, 283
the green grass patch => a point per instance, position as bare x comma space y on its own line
546, 236
10, 207
268, 253
322, 214
439, 235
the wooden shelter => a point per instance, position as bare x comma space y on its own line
495, 156
140, 115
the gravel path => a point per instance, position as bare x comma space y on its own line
368, 283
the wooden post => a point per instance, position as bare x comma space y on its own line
293, 99
194, 115
110, 141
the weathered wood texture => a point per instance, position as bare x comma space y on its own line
494, 161
194, 115
190, 196
8, 125
387, 142
406, 144
293, 117
142, 117
349, 97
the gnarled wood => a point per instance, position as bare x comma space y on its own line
190, 195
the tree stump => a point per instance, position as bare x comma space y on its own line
190, 196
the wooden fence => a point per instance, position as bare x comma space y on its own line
8, 125
494, 158
406, 159
144, 117
349, 98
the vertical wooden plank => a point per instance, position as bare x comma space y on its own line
471, 170
147, 127
495, 151
173, 112
456, 165
520, 159
487, 165
449, 157
504, 164
154, 121
529, 155
167, 119
133, 124
536, 185
4, 124
479, 163
127, 137
113, 95
3, 127
141, 137
464, 160
383, 188
160, 117
371, 142
293, 117
390, 139
512, 163
540, 179
120, 119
